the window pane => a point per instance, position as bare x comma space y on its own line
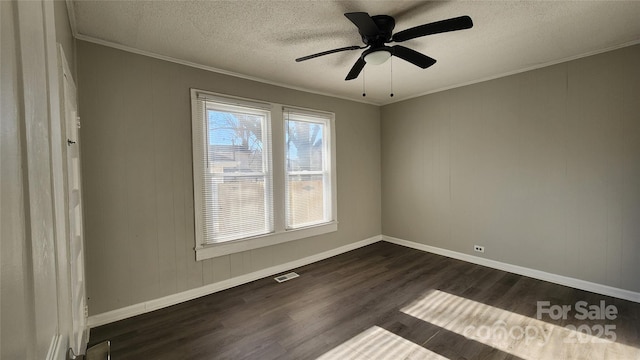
305, 200
238, 207
305, 145
234, 142
238, 193
307, 184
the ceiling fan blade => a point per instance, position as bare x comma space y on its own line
364, 22
458, 23
412, 56
356, 69
329, 52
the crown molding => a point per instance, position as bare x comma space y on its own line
211, 69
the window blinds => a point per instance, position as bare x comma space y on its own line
232, 174
307, 167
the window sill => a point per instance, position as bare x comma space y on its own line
214, 250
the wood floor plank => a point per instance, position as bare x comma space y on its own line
374, 302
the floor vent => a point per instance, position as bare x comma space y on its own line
285, 277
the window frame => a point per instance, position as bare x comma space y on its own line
267, 171
280, 233
314, 117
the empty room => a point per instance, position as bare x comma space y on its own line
320, 179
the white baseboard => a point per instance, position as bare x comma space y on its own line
151, 305
155, 304
520, 270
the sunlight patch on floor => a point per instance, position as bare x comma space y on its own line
519, 335
379, 344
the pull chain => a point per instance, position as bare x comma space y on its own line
391, 64
363, 92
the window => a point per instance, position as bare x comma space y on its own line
307, 166
237, 177
240, 148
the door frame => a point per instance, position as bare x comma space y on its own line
78, 331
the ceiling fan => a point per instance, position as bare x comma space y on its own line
376, 32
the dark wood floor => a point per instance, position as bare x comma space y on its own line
382, 301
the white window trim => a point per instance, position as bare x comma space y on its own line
327, 166
280, 233
231, 247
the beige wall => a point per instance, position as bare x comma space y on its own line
137, 176
541, 168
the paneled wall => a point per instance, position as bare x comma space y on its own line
137, 176
542, 168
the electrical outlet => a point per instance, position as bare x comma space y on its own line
478, 248
86, 311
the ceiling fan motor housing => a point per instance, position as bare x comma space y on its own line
385, 24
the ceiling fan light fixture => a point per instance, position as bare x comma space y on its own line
377, 57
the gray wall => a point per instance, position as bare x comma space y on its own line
137, 177
29, 321
542, 168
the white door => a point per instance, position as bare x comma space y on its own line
77, 338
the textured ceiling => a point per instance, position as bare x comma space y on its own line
261, 39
